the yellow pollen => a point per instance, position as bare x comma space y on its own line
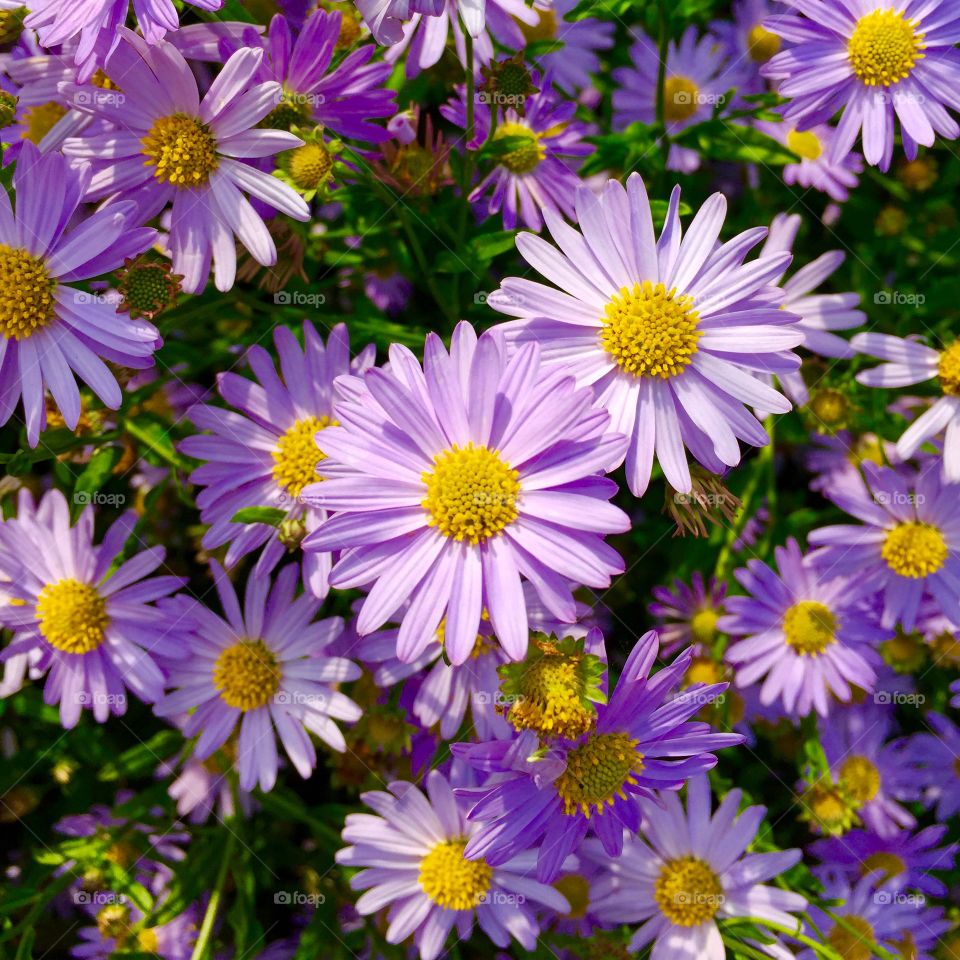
859, 779
688, 892
551, 700
350, 30
703, 670
891, 865
148, 941
650, 331
471, 493
762, 44
948, 370
544, 29
884, 48
703, 625
853, 941
681, 98
297, 455
809, 627
597, 772
113, 922
829, 808
247, 675
526, 157
830, 406
72, 615
450, 880
914, 550
576, 890
181, 150
101, 80
310, 165
26, 293
805, 144
38, 121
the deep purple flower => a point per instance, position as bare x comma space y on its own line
690, 612
937, 755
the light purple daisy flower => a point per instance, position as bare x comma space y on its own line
263, 669
94, 24
937, 757
690, 613
540, 171
169, 146
877, 60
50, 330
804, 633
643, 741
265, 450
876, 911
699, 73
875, 773
413, 854
835, 459
908, 546
908, 858
908, 361
690, 870
668, 332
451, 481
95, 623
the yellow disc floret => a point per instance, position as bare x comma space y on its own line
38, 121
805, 144
650, 330
809, 627
182, 151
310, 165
914, 550
26, 293
703, 625
597, 772
884, 48
891, 865
72, 616
247, 675
526, 156
450, 880
859, 779
681, 97
853, 939
297, 455
948, 370
762, 44
471, 493
688, 892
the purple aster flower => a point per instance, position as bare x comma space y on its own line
836, 459
908, 361
263, 669
908, 858
699, 74
816, 168
908, 546
265, 450
877, 60
668, 333
749, 40
413, 852
872, 772
642, 741
955, 690
389, 292
49, 329
95, 623
937, 755
804, 633
94, 24
537, 173
690, 870
169, 146
876, 911
451, 481
690, 613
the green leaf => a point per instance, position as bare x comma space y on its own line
272, 516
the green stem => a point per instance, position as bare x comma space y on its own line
662, 53
213, 906
468, 157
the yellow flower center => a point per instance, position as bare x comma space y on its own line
914, 550
576, 891
703, 670
829, 808
762, 44
101, 80
809, 627
688, 892
681, 98
891, 865
247, 675
830, 407
703, 625
350, 30
38, 121
148, 941
471, 493
551, 698
297, 455
450, 880
884, 48
597, 771
852, 941
945, 649
948, 370
545, 29
113, 922
523, 158
182, 151
650, 331
310, 165
26, 293
860, 778
72, 615
905, 652
805, 144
